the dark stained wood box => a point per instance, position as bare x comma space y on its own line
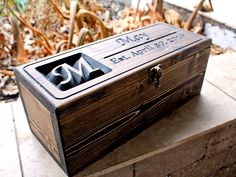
82, 103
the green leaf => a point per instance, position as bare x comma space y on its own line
21, 4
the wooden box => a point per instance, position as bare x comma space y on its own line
82, 103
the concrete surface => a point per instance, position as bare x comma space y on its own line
9, 154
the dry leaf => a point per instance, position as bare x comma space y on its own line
73, 11
207, 7
3, 80
198, 28
2, 39
189, 23
10, 90
7, 72
22, 56
172, 17
82, 34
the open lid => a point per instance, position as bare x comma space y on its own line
74, 71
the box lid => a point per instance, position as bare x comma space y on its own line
79, 70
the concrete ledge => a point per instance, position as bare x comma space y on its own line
9, 157
221, 72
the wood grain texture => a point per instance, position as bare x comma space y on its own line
82, 123
163, 41
137, 120
109, 120
40, 122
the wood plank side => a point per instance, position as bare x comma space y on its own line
117, 84
40, 122
139, 91
108, 119
137, 120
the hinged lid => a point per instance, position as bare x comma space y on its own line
72, 72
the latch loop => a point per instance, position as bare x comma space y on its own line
155, 75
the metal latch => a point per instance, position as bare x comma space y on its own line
155, 75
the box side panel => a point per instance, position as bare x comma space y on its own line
92, 130
40, 122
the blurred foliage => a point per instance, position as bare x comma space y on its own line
20, 5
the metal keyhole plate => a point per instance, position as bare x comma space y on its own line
155, 75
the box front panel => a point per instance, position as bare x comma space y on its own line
89, 131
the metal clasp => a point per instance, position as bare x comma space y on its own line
155, 75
